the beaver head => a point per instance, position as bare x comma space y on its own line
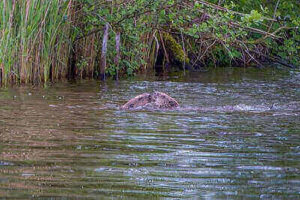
156, 100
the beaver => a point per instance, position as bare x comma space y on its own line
156, 100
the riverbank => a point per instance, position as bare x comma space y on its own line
56, 40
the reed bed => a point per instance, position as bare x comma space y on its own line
34, 45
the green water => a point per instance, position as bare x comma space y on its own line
235, 136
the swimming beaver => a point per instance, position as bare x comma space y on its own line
156, 100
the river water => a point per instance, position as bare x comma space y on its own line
235, 136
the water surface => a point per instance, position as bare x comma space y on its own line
236, 136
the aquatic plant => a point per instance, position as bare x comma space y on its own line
33, 45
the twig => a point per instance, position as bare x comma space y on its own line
217, 7
204, 53
255, 30
266, 36
164, 47
247, 51
183, 52
157, 48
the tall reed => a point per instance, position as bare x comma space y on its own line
33, 45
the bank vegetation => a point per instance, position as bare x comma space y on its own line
43, 41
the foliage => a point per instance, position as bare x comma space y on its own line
51, 39
239, 31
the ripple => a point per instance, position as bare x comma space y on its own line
234, 139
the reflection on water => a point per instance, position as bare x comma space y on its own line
236, 135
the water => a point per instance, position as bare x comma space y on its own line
235, 136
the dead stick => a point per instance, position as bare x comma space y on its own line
117, 58
163, 45
103, 52
183, 47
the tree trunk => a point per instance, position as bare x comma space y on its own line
1, 73
103, 52
117, 58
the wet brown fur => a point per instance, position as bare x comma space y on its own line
154, 100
